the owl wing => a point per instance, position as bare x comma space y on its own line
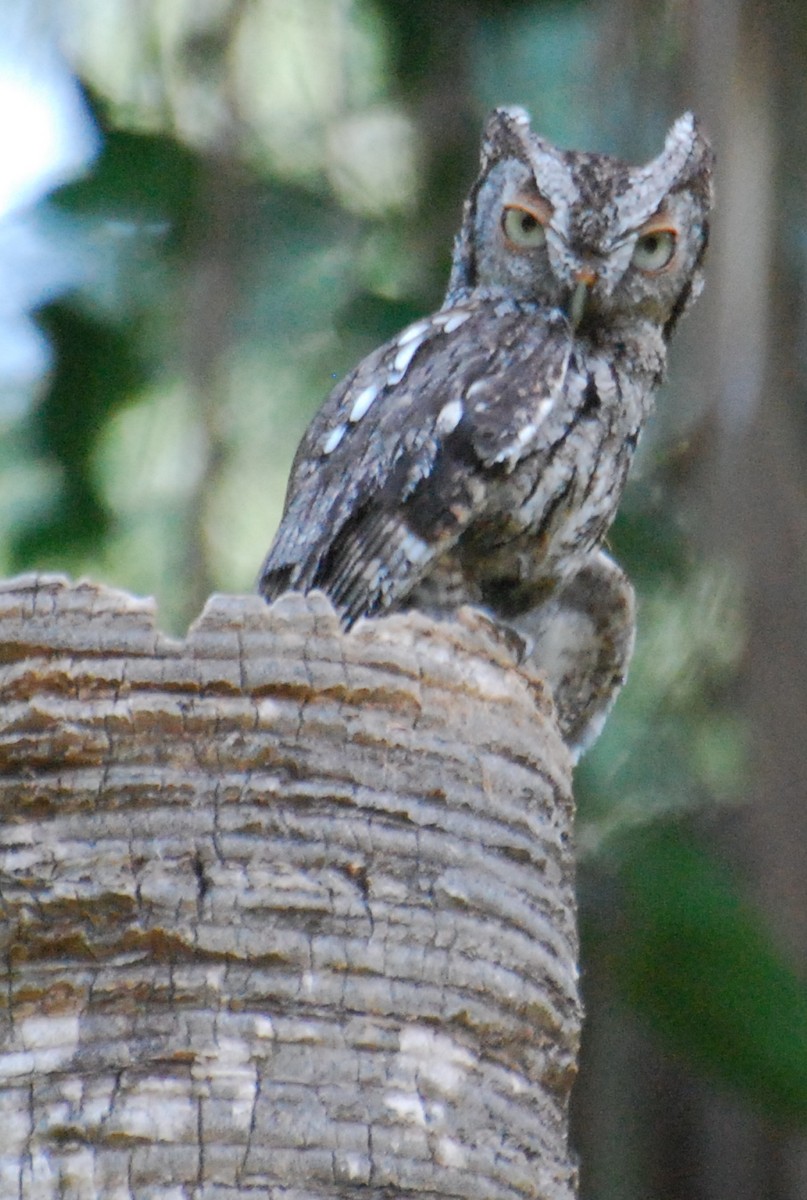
395, 466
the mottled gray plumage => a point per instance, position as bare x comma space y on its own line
479, 456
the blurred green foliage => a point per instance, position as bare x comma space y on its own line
274, 196
98, 363
699, 964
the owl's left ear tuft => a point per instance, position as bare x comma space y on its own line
687, 146
682, 130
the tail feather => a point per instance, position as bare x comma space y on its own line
372, 564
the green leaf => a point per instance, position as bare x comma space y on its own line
96, 370
143, 178
699, 964
375, 319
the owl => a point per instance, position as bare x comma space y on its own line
479, 457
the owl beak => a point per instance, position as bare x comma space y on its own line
584, 280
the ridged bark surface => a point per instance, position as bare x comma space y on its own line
286, 912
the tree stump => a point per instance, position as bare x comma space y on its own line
286, 912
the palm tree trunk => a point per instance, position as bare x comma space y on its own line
285, 911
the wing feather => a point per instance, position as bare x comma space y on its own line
373, 501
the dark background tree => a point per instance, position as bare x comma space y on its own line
275, 190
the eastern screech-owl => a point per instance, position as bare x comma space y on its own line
479, 456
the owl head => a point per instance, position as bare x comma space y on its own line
585, 232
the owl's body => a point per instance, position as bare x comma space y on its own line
479, 457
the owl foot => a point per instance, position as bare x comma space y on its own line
581, 639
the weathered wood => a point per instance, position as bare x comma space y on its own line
285, 911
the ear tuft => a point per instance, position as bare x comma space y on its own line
687, 150
506, 135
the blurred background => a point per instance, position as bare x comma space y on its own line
210, 209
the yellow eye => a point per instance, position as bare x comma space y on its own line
522, 228
654, 250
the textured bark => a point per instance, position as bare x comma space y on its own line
285, 911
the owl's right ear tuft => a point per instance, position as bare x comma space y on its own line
506, 134
511, 115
